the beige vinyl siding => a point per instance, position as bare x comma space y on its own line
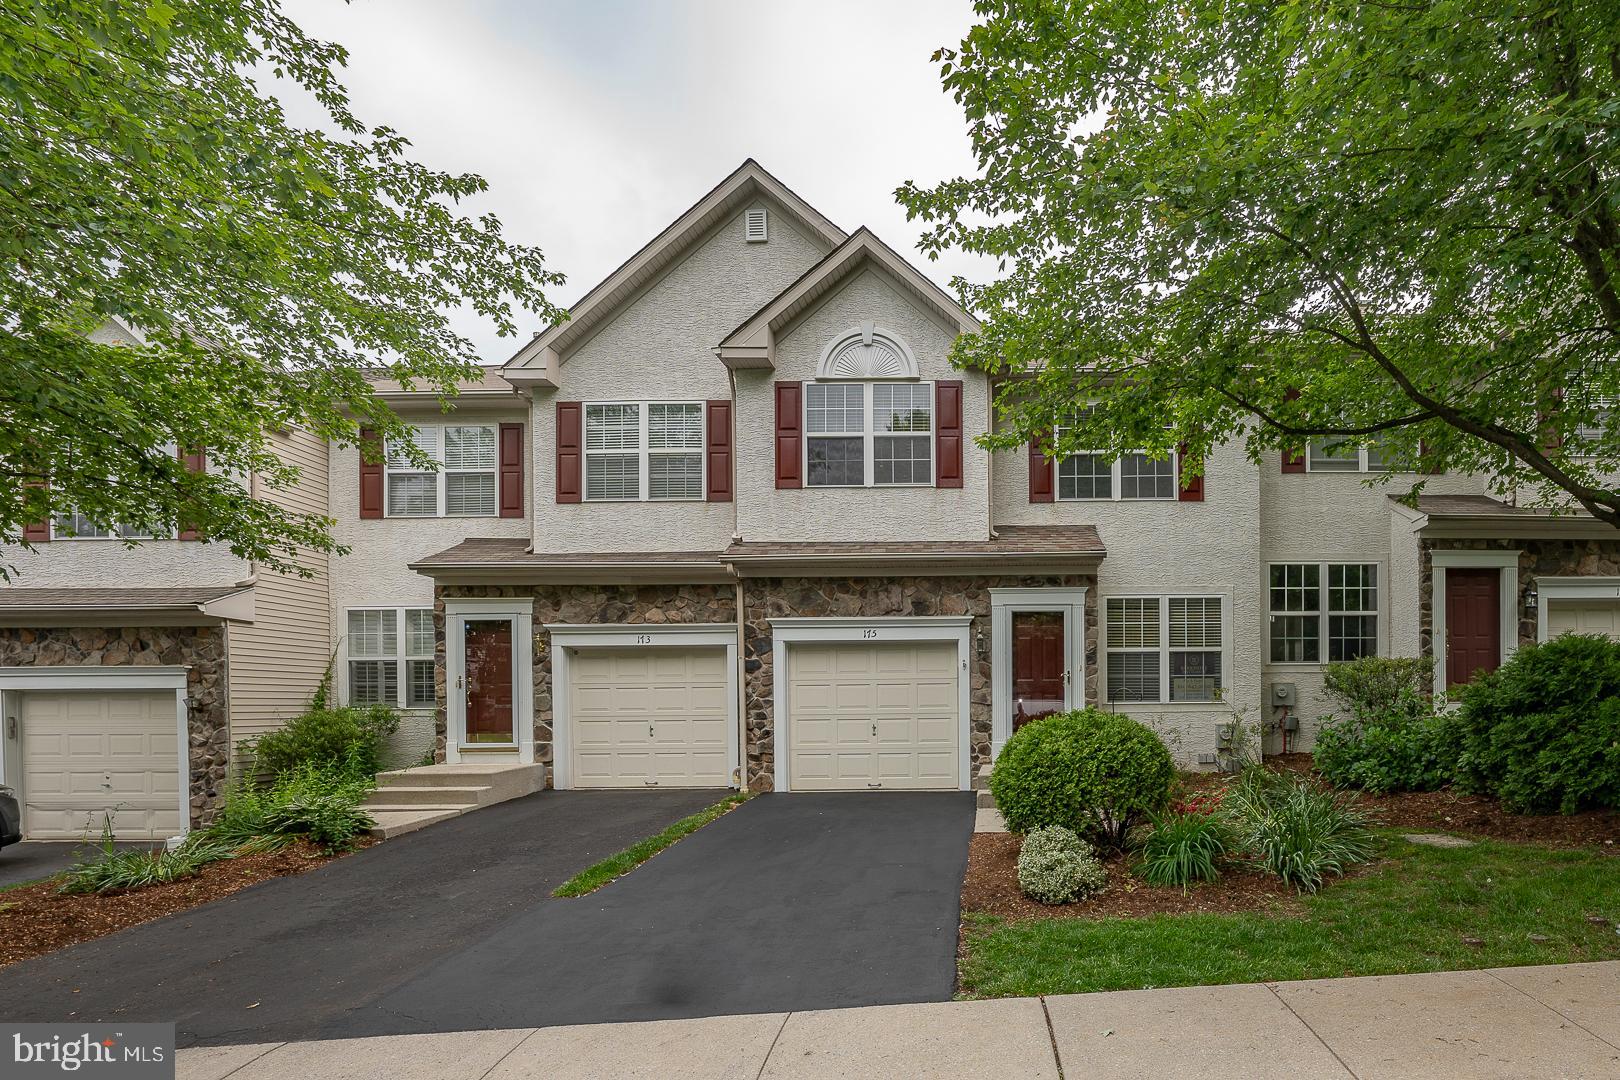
277, 660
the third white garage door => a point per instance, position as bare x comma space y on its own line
873, 716
649, 716
1583, 617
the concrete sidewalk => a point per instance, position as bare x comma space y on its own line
1556, 1021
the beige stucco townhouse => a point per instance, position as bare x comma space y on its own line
729, 526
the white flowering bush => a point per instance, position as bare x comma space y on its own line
1055, 866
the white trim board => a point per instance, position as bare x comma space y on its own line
15, 681
903, 628
520, 611
1004, 603
569, 636
1507, 562
1549, 589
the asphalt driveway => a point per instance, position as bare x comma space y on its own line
791, 902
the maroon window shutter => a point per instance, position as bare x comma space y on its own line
948, 434
195, 461
1040, 471
1426, 461
37, 532
1292, 461
371, 476
789, 437
1189, 489
509, 479
570, 451
717, 451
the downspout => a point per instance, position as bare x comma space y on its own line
990, 462
742, 666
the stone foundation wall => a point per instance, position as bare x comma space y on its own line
1537, 558
201, 649
648, 604
772, 598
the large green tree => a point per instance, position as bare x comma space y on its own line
148, 172
1273, 220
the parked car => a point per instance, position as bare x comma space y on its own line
10, 817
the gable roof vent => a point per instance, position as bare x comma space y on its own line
754, 226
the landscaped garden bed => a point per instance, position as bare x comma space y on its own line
36, 919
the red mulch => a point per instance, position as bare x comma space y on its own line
36, 919
991, 888
1465, 815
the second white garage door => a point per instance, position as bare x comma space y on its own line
1583, 617
649, 717
873, 716
87, 754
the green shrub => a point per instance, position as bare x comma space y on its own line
350, 738
1056, 867
1379, 688
1183, 848
1296, 829
112, 870
1400, 754
1542, 732
320, 805
1095, 773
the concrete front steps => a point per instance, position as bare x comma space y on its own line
986, 818
409, 799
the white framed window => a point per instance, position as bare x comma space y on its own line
1300, 595
636, 451
878, 434
1165, 648
1335, 455
462, 486
1135, 476
390, 657
73, 525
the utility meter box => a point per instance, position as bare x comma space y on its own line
1284, 694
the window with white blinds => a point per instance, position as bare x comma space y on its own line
463, 485
1164, 648
638, 451
890, 444
390, 657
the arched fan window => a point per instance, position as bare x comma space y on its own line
867, 353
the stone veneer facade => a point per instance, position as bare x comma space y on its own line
1537, 559
798, 597
766, 599
200, 649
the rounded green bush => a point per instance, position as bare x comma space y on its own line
1095, 773
1056, 867
1542, 732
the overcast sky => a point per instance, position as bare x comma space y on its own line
597, 122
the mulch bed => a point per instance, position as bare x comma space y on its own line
991, 888
36, 919
1465, 815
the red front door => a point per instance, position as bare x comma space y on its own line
1473, 622
1038, 666
489, 680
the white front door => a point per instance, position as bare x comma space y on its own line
649, 716
879, 716
88, 754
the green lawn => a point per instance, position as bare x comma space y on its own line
1411, 912
615, 866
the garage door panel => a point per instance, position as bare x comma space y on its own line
893, 710
1584, 617
654, 714
87, 754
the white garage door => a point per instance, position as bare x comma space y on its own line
1583, 617
649, 716
86, 754
878, 716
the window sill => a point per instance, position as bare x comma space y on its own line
1145, 499
1164, 706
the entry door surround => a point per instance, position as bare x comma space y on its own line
1004, 604
787, 632
1441, 562
518, 613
